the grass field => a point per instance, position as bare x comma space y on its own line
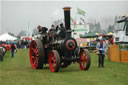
17, 71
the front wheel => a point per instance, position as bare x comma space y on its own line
85, 59
54, 61
4, 50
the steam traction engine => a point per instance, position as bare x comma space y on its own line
57, 51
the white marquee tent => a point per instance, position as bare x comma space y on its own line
6, 36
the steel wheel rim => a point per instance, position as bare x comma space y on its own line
34, 55
83, 60
52, 61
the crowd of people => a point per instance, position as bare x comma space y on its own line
23, 44
12, 46
107, 40
19, 43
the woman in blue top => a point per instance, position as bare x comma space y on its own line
101, 47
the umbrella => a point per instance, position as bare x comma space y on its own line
88, 35
99, 34
110, 33
26, 38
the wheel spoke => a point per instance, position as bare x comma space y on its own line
54, 59
34, 63
35, 51
84, 59
34, 45
33, 57
83, 56
83, 63
36, 59
54, 65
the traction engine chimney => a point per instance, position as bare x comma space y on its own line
67, 20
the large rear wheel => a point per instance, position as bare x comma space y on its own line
36, 54
54, 61
85, 59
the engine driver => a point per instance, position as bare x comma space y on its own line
42, 30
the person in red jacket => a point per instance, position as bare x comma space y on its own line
111, 40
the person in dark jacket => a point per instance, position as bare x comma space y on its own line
62, 31
22, 44
42, 30
52, 29
12, 50
57, 28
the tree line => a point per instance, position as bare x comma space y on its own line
104, 25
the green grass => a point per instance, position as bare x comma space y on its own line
18, 71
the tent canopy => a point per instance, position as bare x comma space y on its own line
89, 35
6, 36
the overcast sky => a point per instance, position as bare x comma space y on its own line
16, 15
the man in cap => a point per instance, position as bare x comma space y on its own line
101, 47
62, 31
